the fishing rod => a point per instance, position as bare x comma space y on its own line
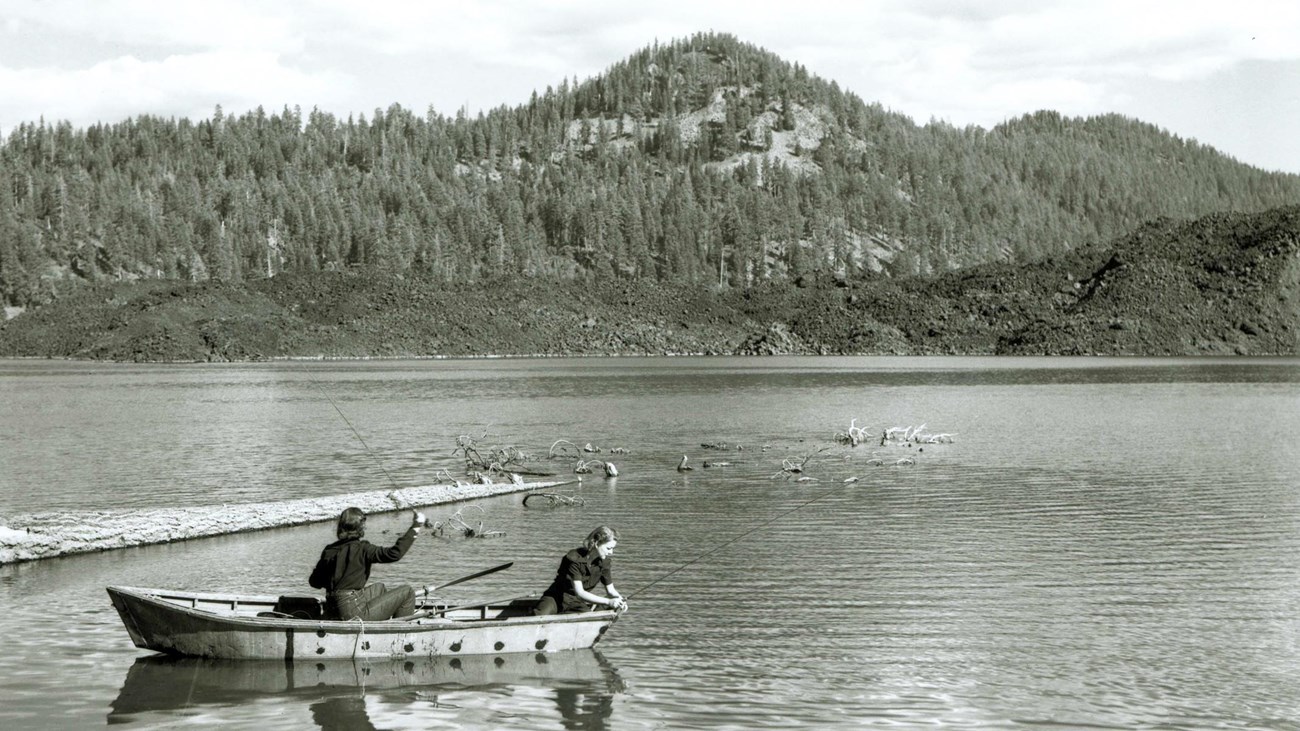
706, 554
373, 456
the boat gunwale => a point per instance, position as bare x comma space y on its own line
159, 598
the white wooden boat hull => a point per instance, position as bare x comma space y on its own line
196, 624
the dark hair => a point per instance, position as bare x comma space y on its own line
603, 534
352, 524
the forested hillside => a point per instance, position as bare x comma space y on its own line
702, 161
1222, 284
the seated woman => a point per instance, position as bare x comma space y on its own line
580, 570
344, 569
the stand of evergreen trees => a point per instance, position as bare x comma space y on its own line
705, 160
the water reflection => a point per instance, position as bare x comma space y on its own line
341, 694
344, 713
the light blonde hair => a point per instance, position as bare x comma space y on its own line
603, 534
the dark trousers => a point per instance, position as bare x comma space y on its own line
374, 603
552, 605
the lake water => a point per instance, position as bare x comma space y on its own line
1106, 543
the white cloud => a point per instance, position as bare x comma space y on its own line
966, 61
185, 85
983, 63
220, 25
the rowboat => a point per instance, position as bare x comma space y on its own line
240, 627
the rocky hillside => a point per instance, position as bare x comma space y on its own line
1227, 283
1221, 284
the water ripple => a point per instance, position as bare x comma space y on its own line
1108, 544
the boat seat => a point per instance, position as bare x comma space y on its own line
300, 606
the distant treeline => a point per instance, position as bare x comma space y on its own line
702, 160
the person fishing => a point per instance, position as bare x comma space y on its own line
344, 569
580, 571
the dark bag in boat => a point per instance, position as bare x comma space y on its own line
301, 606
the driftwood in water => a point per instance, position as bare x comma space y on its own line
552, 500
791, 468
587, 467
854, 436
455, 525
565, 449
497, 460
561, 449
46, 535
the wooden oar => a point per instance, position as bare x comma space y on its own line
435, 612
434, 587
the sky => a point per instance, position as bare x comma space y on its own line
1223, 72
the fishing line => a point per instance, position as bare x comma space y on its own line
706, 554
373, 456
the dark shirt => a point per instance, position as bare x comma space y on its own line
582, 566
345, 565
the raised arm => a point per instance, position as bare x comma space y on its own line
376, 554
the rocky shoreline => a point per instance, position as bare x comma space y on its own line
49, 535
